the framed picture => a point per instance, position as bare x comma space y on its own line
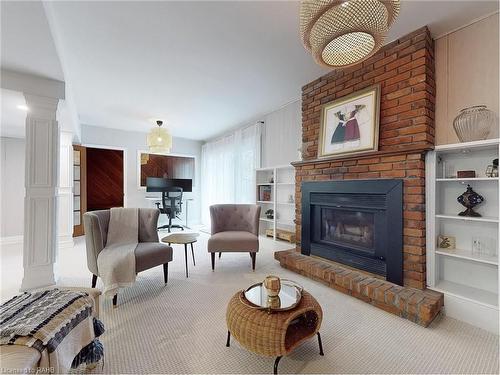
446, 242
349, 125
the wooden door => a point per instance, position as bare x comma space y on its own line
79, 189
104, 178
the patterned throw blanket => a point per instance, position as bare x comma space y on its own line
57, 323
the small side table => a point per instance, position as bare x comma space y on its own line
273, 334
182, 239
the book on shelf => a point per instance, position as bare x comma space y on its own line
264, 193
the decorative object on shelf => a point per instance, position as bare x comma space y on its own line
343, 33
469, 200
473, 123
291, 199
265, 193
159, 139
272, 285
300, 153
489, 171
269, 213
349, 125
466, 174
484, 246
446, 242
282, 234
494, 172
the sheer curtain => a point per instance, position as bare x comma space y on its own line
228, 169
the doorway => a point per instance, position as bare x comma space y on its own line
100, 182
104, 179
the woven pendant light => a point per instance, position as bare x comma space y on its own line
343, 33
159, 139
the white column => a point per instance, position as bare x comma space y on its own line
65, 190
40, 203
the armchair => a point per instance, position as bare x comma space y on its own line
149, 252
235, 228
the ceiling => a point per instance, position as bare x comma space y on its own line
202, 67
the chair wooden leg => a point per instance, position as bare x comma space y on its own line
220, 254
165, 272
253, 256
213, 261
115, 300
94, 281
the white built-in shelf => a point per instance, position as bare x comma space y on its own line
476, 146
486, 219
286, 222
477, 295
266, 219
282, 187
467, 179
467, 255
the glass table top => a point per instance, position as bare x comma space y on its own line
288, 297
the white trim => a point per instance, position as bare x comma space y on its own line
466, 25
11, 240
125, 179
138, 162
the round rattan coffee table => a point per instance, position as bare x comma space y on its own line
274, 333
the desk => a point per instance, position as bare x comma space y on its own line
154, 200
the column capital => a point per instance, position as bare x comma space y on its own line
42, 107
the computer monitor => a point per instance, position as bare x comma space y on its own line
158, 184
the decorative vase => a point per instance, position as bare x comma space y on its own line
273, 302
469, 200
473, 123
272, 285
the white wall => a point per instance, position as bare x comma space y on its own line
282, 135
12, 187
133, 142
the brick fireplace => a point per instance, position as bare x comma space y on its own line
404, 69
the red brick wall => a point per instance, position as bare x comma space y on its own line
405, 71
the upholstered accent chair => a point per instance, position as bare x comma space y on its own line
149, 252
235, 228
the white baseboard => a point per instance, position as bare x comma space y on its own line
11, 240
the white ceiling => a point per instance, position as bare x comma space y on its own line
27, 45
203, 67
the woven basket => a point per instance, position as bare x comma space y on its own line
274, 334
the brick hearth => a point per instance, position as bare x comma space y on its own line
419, 306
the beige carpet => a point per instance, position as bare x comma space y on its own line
180, 328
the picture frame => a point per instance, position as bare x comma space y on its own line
446, 242
350, 125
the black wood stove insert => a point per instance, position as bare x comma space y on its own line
358, 223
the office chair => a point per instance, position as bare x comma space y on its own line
171, 205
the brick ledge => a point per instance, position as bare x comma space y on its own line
419, 306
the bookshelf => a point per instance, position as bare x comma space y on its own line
275, 190
468, 277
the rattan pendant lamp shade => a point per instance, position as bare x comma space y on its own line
159, 139
343, 33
